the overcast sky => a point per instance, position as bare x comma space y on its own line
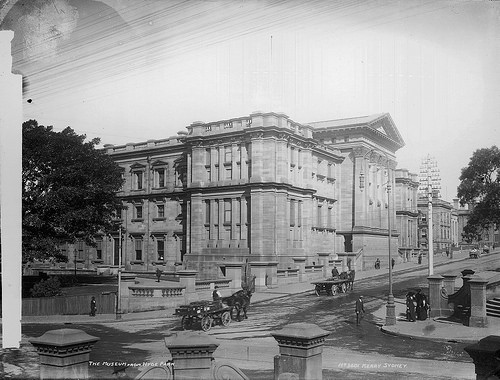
130, 71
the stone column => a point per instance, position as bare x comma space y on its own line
187, 278
64, 353
233, 272
435, 286
300, 262
192, 354
485, 355
126, 281
301, 348
449, 286
478, 316
323, 260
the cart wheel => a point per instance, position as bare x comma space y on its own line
343, 287
206, 323
333, 291
186, 322
225, 319
317, 290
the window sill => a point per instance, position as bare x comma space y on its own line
137, 220
159, 219
137, 262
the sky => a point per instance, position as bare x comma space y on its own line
130, 71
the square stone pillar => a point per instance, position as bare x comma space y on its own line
300, 262
64, 353
478, 316
435, 295
187, 278
124, 298
233, 272
485, 356
192, 354
301, 350
323, 260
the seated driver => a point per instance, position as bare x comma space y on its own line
216, 296
335, 272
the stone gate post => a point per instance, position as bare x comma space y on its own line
301, 349
64, 353
192, 354
435, 286
478, 316
300, 262
449, 286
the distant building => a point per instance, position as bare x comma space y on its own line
407, 213
260, 189
442, 224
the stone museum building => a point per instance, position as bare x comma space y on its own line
259, 189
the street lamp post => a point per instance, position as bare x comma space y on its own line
430, 227
390, 318
74, 260
118, 293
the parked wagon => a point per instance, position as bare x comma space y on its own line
204, 313
331, 286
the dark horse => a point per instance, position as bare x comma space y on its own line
238, 301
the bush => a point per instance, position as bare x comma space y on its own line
46, 288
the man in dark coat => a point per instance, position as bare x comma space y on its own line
360, 309
335, 272
93, 307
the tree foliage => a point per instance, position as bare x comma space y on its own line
69, 190
50, 287
480, 189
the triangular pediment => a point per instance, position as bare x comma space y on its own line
384, 124
159, 163
137, 165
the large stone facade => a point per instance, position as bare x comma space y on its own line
256, 189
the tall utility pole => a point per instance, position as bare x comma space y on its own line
430, 186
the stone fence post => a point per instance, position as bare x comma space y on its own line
192, 353
64, 353
187, 278
301, 349
124, 301
323, 260
435, 286
486, 357
478, 316
300, 262
266, 274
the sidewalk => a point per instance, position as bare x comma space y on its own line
430, 329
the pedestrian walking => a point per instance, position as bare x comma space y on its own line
377, 263
420, 258
360, 310
392, 263
158, 274
93, 307
410, 307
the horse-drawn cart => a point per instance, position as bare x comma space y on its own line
206, 313
331, 286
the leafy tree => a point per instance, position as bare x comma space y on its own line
46, 288
69, 190
480, 189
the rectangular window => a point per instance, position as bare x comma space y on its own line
160, 177
227, 211
292, 213
208, 158
330, 171
160, 249
138, 212
138, 249
207, 212
329, 216
138, 177
209, 173
229, 172
319, 221
228, 154
98, 249
160, 211
299, 214
249, 210
81, 246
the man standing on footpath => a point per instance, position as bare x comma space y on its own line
360, 309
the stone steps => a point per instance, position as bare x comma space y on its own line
493, 307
